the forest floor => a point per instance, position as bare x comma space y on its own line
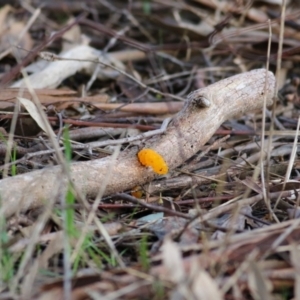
84, 84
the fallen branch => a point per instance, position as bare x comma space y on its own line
190, 129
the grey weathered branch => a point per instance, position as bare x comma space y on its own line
190, 129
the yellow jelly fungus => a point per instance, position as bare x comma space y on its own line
137, 192
150, 158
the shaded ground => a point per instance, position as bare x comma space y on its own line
225, 225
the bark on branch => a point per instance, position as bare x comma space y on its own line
190, 129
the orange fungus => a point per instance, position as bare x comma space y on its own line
150, 158
137, 192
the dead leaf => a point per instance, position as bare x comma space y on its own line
34, 113
16, 37
13, 34
260, 287
293, 213
285, 186
172, 261
72, 36
229, 222
295, 257
205, 288
4, 11
145, 108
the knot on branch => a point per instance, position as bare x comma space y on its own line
198, 99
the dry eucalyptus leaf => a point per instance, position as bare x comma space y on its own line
13, 33
173, 261
260, 286
71, 37
15, 37
295, 257
293, 213
34, 113
205, 288
4, 11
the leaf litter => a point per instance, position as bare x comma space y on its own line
225, 225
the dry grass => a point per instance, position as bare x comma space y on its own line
224, 225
